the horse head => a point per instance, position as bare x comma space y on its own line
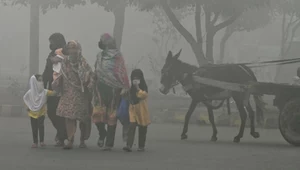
170, 72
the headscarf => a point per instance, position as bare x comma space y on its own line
110, 65
79, 65
36, 96
143, 86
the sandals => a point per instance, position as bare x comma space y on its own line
42, 144
34, 145
68, 146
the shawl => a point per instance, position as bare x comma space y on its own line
110, 65
36, 97
83, 69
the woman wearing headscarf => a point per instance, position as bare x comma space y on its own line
111, 79
56, 40
75, 85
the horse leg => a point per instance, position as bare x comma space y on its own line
187, 119
243, 115
212, 122
252, 123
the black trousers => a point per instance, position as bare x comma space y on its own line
58, 122
108, 134
142, 135
38, 129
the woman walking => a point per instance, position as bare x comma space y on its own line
111, 79
75, 84
56, 40
138, 110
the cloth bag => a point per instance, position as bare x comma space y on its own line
123, 112
99, 110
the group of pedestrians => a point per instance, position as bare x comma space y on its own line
71, 92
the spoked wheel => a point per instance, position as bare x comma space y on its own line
289, 122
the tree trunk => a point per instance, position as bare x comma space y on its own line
210, 46
34, 37
198, 51
119, 14
224, 39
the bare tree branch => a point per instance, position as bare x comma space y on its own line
183, 31
198, 24
295, 28
216, 17
227, 22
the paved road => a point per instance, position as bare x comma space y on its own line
165, 151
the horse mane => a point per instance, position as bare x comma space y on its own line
188, 67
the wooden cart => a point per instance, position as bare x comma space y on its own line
287, 100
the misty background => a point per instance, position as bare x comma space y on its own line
139, 47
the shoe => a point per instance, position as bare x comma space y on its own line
141, 150
100, 143
127, 149
34, 145
42, 144
59, 144
82, 145
107, 148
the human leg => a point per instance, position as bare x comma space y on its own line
41, 129
71, 130
34, 128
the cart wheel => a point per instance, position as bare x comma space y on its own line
289, 122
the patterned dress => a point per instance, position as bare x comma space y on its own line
74, 102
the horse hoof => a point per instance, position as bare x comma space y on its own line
237, 139
183, 137
213, 139
255, 134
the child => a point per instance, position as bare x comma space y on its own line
35, 100
138, 110
56, 60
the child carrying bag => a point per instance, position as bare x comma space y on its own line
123, 111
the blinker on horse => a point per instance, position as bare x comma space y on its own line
175, 71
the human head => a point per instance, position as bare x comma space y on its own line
38, 77
137, 74
36, 83
56, 40
107, 42
73, 50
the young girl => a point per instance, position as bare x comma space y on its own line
35, 100
138, 110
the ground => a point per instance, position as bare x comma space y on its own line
164, 151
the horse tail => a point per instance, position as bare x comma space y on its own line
260, 104
260, 107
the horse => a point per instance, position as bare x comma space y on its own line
176, 72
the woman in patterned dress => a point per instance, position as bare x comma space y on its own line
111, 79
75, 84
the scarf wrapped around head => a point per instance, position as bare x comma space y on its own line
81, 66
36, 96
110, 65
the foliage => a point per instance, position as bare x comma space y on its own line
289, 10
250, 20
217, 15
49, 4
16, 87
165, 35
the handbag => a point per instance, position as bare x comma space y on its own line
99, 110
123, 112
